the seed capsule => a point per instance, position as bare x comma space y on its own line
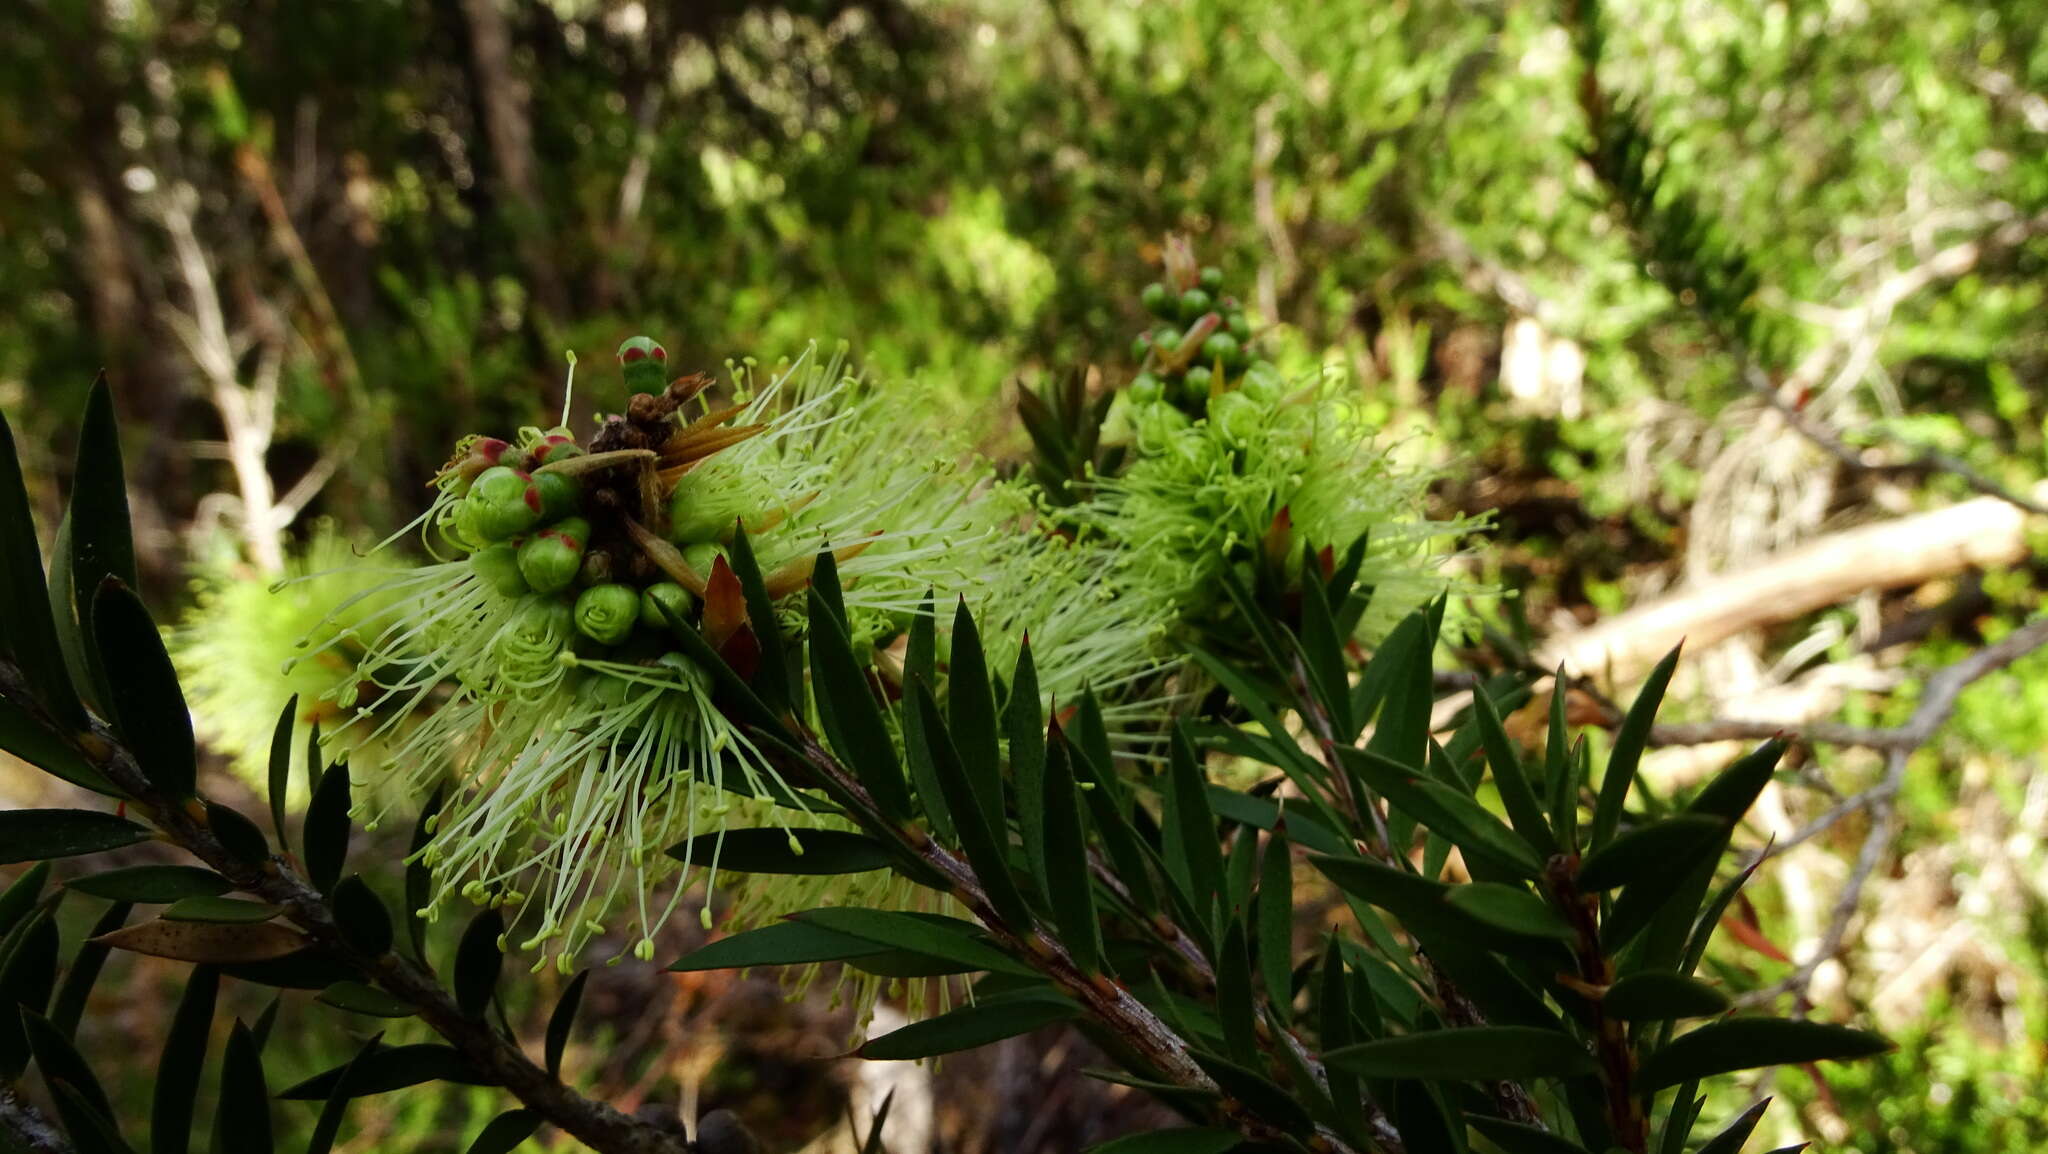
550, 559
664, 594
607, 613
503, 502
558, 495
645, 364
499, 566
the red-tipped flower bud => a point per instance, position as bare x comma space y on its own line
550, 559
503, 502
645, 364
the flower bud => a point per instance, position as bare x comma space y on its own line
559, 495
555, 446
664, 594
498, 565
1141, 347
607, 613
1193, 304
473, 455
1239, 326
1194, 388
1223, 347
503, 502
1146, 389
702, 556
1158, 300
551, 558
1166, 338
645, 364
1212, 278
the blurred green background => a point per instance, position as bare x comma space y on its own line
313, 243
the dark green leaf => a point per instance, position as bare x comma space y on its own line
1659, 997
305, 969
1446, 810
237, 834
1516, 1138
28, 971
506, 1131
101, 544
393, 1068
928, 934
1024, 731
1236, 1006
1517, 796
977, 837
1510, 908
41, 834
361, 915
1710, 918
27, 634
1627, 753
734, 695
1480, 1053
970, 1026
852, 720
279, 782
773, 680
1659, 848
777, 944
336, 1106
563, 1019
1192, 851
1668, 921
152, 884
59, 1060
221, 911
1749, 1043
1103, 796
368, 1000
92, 1131
921, 665
1258, 1093
149, 708
773, 850
1322, 646
478, 959
1069, 888
1276, 925
1258, 704
241, 1121
326, 829
1730, 1140
419, 880
20, 897
873, 1145
1401, 734
184, 1055
1333, 1011
971, 718
27, 737
1187, 1140
84, 971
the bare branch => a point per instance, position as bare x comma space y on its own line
24, 1127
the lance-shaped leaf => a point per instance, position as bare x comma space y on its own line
929, 934
1024, 733
1236, 1005
1662, 997
361, 915
1257, 703
1322, 647
210, 943
1257, 1092
1446, 811
69, 1005
184, 1056
977, 838
222, 911
777, 944
478, 959
1193, 854
1516, 1138
98, 538
852, 720
19, 898
28, 635
149, 708
279, 779
328, 1127
563, 1020
1185, 1140
990, 1020
392, 1068
1276, 925
971, 714
241, 1119
41, 834
1104, 798
59, 1061
1668, 921
1063, 850
1517, 796
31, 739
505, 1132
774, 680
1730, 1140
1401, 734
1659, 848
1480, 1053
152, 884
772, 850
28, 970
1510, 908
237, 834
1627, 753
1750, 1043
368, 1000
327, 829
921, 664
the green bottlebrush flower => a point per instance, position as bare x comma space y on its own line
503, 502
499, 565
607, 613
551, 558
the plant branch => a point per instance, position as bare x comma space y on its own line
24, 1126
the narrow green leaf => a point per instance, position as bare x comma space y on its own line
1710, 918
1517, 1138
1337, 1028
1191, 826
361, 915
59, 1060
1662, 997
1730, 1140
1024, 733
149, 708
92, 1131
1510, 908
774, 681
1063, 850
852, 720
361, 998
419, 880
505, 1132
326, 829
28, 971
1186, 1140
970, 1026
1445, 810
20, 898
1322, 646
1258, 1093
220, 911
102, 546
29, 738
873, 1145
278, 785
1257, 704
159, 885
335, 1108
777, 944
971, 719
184, 1056
1668, 921
1276, 925
1480, 1053
392, 1068
1749, 1043
772, 850
237, 834
929, 934
241, 1120
1517, 796
1627, 753
1656, 848
563, 1020
734, 696
1401, 735
41, 834
27, 633
977, 838
69, 1006
1103, 797
921, 665
478, 959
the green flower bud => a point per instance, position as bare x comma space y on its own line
551, 558
1194, 388
664, 593
1212, 278
1194, 303
503, 502
702, 555
1166, 338
1236, 416
607, 613
1158, 300
1237, 325
473, 455
1222, 347
608, 692
645, 364
498, 565
555, 446
1142, 347
1146, 388
559, 495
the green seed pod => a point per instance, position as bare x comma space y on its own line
1193, 304
1212, 278
1158, 300
551, 558
1166, 338
645, 364
1224, 348
607, 613
1146, 388
559, 495
664, 593
503, 502
1194, 388
1236, 416
498, 565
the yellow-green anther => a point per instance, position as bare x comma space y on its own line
499, 566
607, 613
550, 559
664, 594
503, 502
